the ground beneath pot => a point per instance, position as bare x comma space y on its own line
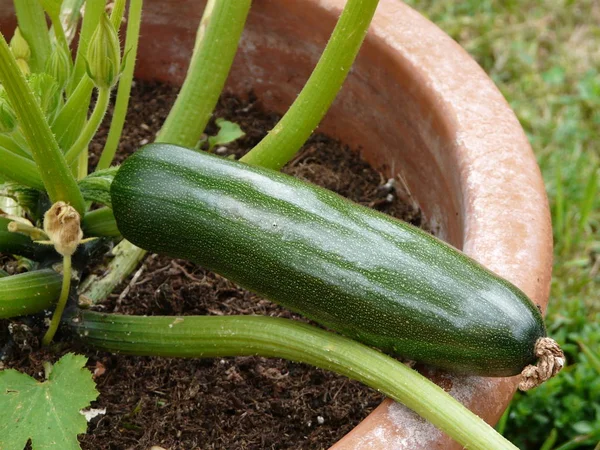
229, 403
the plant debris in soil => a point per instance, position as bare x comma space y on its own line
228, 403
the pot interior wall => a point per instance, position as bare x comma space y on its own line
384, 109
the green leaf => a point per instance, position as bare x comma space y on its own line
96, 186
48, 412
228, 132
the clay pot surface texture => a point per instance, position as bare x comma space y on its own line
420, 109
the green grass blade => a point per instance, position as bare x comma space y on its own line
550, 440
589, 198
593, 358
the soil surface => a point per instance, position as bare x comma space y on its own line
229, 403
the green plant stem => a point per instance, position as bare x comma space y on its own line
53, 10
69, 17
71, 118
62, 301
116, 16
90, 127
285, 139
58, 180
100, 222
32, 23
209, 67
81, 164
122, 101
16, 243
126, 258
221, 336
93, 10
20, 169
10, 144
28, 293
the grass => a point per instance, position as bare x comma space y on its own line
545, 58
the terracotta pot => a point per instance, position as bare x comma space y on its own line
419, 108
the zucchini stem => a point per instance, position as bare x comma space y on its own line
56, 176
90, 127
221, 336
551, 360
62, 301
290, 133
213, 55
122, 101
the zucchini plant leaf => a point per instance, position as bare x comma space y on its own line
46, 413
96, 186
228, 132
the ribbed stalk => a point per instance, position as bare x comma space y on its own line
91, 126
100, 222
126, 258
122, 101
28, 293
93, 10
220, 336
32, 24
58, 180
209, 67
71, 118
20, 169
15, 243
290, 133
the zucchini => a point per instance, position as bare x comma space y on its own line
28, 292
352, 269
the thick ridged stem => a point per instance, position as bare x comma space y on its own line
127, 256
220, 336
93, 10
20, 169
209, 67
122, 101
90, 127
58, 180
32, 24
290, 133
100, 222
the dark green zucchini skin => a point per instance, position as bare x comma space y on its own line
350, 268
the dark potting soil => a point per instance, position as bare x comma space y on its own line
228, 403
